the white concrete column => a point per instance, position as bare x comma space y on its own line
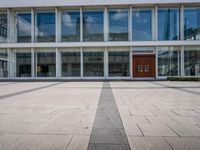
106, 63
58, 25
182, 61
58, 63
182, 22
12, 59
106, 24
81, 51
81, 24
32, 26
156, 51
131, 63
155, 23
130, 24
32, 63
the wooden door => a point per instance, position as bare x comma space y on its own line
143, 65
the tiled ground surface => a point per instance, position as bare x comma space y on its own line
60, 115
160, 115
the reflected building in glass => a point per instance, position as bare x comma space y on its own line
113, 39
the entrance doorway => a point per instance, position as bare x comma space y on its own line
144, 65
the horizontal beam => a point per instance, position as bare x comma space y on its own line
99, 44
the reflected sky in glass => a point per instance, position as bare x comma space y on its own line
71, 26
168, 24
24, 27
45, 26
118, 25
93, 25
142, 24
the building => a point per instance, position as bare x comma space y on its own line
115, 39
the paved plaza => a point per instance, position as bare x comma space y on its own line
123, 115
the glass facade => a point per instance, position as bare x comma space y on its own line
168, 23
192, 23
70, 26
23, 64
93, 64
46, 64
118, 25
93, 26
192, 61
3, 63
142, 24
23, 27
45, 27
71, 66
168, 61
118, 64
3, 27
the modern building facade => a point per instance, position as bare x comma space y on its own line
116, 39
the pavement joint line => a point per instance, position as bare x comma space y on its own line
173, 130
69, 142
107, 118
168, 143
140, 129
28, 91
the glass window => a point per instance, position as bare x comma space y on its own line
46, 64
71, 26
192, 61
118, 64
45, 26
118, 25
168, 24
3, 63
23, 64
23, 27
93, 64
3, 27
93, 26
192, 23
142, 24
168, 61
71, 64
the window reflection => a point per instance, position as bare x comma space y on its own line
142, 24
3, 27
23, 64
168, 24
168, 61
3, 63
46, 64
93, 26
118, 64
45, 26
70, 26
23, 27
118, 25
192, 23
192, 61
71, 64
93, 64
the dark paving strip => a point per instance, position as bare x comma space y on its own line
9, 83
27, 91
182, 89
108, 131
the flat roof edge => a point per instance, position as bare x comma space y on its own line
73, 3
